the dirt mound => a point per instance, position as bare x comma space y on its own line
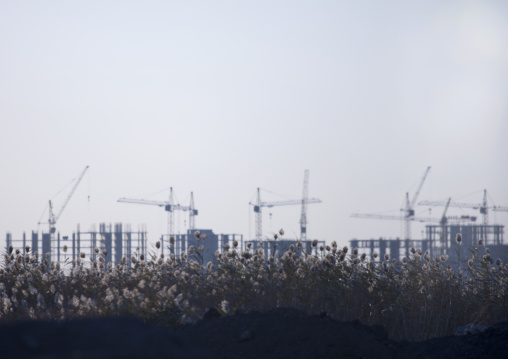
279, 333
289, 333
491, 343
95, 338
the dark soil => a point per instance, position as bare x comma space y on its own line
280, 333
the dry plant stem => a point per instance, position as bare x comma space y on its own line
415, 299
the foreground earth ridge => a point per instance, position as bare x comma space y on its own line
277, 333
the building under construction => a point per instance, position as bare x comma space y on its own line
210, 241
440, 240
120, 241
116, 242
281, 246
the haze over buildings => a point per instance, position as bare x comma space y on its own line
220, 98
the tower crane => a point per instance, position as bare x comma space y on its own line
443, 222
409, 212
170, 207
483, 206
53, 218
292, 202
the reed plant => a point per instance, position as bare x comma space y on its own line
415, 298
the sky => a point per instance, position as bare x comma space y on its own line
222, 97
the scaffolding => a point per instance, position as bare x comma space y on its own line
112, 245
439, 240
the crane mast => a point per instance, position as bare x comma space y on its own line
305, 198
409, 211
171, 213
192, 212
259, 220
484, 209
444, 220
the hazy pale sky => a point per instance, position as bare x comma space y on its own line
222, 97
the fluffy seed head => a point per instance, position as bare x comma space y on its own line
487, 259
314, 243
480, 242
281, 232
458, 238
158, 245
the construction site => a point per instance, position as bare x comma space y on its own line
119, 240
440, 233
